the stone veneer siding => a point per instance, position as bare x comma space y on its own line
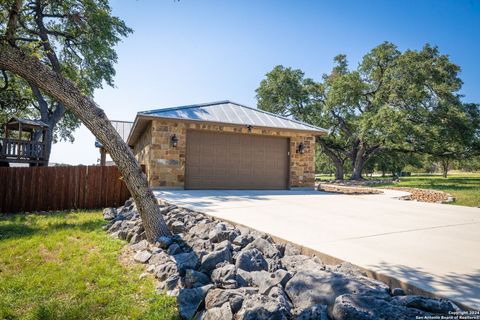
165, 165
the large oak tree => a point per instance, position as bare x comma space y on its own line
393, 101
17, 59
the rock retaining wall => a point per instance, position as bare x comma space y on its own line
219, 271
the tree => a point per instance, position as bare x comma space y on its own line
72, 37
457, 137
392, 101
25, 64
13, 101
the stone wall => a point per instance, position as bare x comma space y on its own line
165, 165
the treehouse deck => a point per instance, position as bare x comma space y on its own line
27, 144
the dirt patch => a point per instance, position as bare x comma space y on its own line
126, 257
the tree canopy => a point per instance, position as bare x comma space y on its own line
73, 37
392, 101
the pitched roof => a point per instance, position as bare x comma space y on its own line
28, 122
230, 113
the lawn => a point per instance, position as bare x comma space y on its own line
465, 187
64, 266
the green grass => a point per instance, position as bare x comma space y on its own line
465, 187
64, 266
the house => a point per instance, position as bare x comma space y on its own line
224, 145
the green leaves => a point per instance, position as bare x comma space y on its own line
74, 37
403, 101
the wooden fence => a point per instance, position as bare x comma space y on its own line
60, 188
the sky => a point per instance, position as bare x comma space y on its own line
192, 51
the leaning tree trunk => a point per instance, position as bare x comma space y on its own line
64, 91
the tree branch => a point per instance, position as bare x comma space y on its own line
42, 104
44, 36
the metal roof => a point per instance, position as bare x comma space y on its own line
123, 128
231, 113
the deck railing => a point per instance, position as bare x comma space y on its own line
21, 150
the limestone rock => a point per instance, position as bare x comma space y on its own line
186, 261
243, 239
164, 242
142, 256
308, 288
261, 307
265, 280
140, 246
210, 260
225, 276
201, 231
219, 313
177, 227
174, 249
299, 262
265, 247
251, 260
170, 283
189, 300
222, 232
441, 306
109, 213
315, 312
291, 250
194, 279
217, 297
367, 307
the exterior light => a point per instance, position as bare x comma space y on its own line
301, 148
249, 127
174, 141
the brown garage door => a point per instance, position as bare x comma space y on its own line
235, 161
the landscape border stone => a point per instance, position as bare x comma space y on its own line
206, 258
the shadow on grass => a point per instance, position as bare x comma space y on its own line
20, 228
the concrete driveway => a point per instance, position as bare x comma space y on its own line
433, 247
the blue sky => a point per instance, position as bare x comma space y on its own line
195, 51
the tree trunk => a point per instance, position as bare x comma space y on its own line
64, 91
338, 170
445, 164
358, 163
339, 173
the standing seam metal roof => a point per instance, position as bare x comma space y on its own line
232, 113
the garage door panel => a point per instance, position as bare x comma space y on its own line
235, 161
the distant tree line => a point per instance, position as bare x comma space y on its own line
394, 109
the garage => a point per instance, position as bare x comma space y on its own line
224, 145
235, 161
